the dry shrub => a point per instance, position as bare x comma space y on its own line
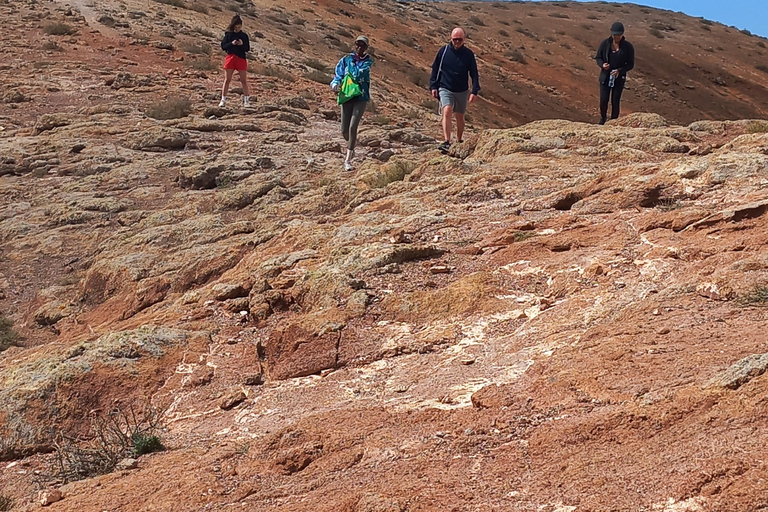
195, 48
762, 67
318, 76
516, 56
112, 437
203, 65
277, 72
757, 127
393, 171
757, 297
59, 29
6, 503
171, 108
8, 337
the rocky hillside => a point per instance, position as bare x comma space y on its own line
555, 316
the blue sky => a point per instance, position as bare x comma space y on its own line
743, 14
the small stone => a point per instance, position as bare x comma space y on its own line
714, 291
467, 361
127, 464
233, 399
439, 269
254, 380
50, 496
77, 148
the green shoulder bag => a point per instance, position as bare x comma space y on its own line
349, 89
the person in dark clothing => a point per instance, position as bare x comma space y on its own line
454, 65
236, 44
616, 56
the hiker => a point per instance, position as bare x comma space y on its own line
352, 81
236, 44
453, 66
616, 56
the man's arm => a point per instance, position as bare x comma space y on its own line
433, 85
474, 75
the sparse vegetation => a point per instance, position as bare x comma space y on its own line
173, 3
762, 67
58, 29
520, 236
277, 72
705, 22
503, 33
108, 21
318, 76
113, 437
656, 33
199, 8
295, 44
195, 48
393, 171
6, 503
526, 32
172, 108
316, 64
477, 20
758, 126
51, 46
516, 56
418, 77
760, 44
144, 443
757, 297
559, 15
8, 336
381, 120
203, 65
204, 32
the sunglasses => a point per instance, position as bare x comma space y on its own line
360, 44
457, 39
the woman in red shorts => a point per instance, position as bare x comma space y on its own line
236, 44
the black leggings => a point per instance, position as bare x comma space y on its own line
614, 94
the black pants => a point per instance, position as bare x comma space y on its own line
612, 93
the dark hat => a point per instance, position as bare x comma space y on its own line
362, 39
617, 29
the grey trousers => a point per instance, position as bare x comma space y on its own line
351, 115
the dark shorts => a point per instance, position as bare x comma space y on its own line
456, 100
234, 62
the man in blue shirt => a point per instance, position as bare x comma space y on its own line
454, 65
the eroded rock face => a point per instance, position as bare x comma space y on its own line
517, 325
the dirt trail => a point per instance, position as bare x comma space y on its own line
87, 9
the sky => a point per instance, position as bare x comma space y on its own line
743, 14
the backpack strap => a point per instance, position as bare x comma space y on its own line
440, 69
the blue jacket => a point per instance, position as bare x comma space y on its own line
457, 67
360, 70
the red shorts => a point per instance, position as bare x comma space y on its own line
234, 62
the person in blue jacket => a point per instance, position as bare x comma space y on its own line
358, 64
454, 65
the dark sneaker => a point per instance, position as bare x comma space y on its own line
602, 120
445, 146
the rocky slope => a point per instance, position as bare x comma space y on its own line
557, 316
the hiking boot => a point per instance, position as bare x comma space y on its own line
223, 103
445, 146
347, 165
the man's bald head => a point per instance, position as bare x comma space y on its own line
457, 37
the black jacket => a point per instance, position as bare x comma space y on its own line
236, 49
626, 56
458, 66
